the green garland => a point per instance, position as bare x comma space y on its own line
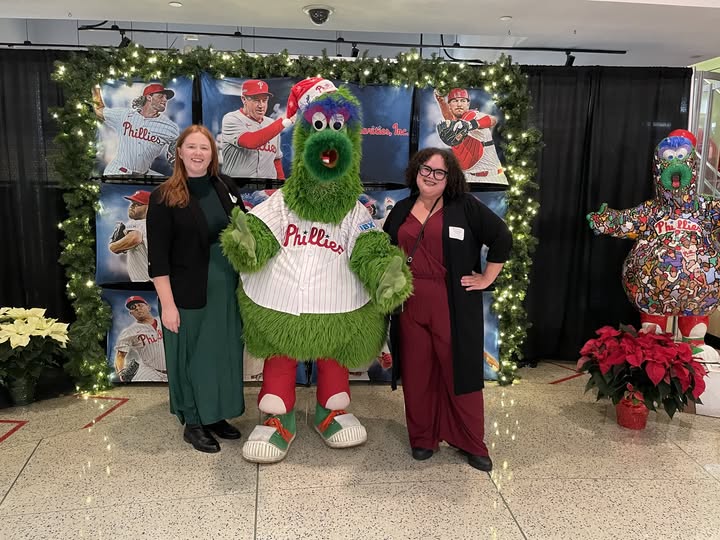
502, 80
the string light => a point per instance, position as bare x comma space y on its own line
407, 70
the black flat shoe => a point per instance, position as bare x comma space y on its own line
421, 453
482, 463
201, 440
224, 430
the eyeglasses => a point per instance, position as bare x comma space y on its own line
437, 174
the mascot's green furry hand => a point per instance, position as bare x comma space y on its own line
392, 282
242, 235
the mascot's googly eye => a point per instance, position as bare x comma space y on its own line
337, 122
681, 153
319, 121
668, 154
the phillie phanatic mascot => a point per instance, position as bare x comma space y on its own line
672, 270
317, 277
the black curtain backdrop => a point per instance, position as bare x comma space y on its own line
600, 126
32, 204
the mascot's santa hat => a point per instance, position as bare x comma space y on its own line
305, 91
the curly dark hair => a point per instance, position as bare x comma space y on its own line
139, 102
456, 184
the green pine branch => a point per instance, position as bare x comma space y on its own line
502, 80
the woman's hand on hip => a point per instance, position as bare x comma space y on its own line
476, 282
171, 318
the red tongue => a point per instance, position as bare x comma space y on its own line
675, 182
329, 158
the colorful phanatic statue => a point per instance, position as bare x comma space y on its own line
317, 276
672, 270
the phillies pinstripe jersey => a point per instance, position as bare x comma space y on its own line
477, 154
242, 162
140, 140
137, 257
143, 343
311, 271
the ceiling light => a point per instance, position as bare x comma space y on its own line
506, 18
190, 37
175, 4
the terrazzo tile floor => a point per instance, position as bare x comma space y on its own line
563, 469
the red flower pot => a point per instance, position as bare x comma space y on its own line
631, 416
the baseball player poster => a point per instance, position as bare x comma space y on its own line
135, 349
255, 139
139, 125
465, 120
497, 202
121, 235
247, 116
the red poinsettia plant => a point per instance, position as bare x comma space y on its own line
643, 367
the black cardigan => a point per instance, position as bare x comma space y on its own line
178, 244
481, 227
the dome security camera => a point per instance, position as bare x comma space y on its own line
318, 14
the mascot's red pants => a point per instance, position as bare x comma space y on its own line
279, 380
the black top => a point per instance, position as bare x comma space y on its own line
477, 225
179, 238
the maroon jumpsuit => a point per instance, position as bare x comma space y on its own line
433, 412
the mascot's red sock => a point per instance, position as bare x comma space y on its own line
338, 428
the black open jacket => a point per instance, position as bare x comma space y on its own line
178, 244
481, 227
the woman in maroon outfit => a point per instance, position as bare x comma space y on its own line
438, 338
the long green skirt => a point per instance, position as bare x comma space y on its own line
205, 358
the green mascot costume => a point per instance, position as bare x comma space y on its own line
317, 277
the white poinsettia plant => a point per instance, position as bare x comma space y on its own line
29, 342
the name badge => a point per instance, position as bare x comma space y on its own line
458, 233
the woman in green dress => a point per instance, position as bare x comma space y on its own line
196, 289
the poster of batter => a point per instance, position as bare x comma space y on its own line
465, 120
254, 137
139, 126
121, 235
135, 350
